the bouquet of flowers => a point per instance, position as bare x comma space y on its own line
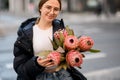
69, 49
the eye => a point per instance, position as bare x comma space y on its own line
48, 7
56, 9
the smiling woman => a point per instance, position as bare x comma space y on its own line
34, 36
49, 10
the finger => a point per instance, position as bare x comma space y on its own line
43, 60
49, 63
39, 58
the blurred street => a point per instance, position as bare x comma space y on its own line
105, 30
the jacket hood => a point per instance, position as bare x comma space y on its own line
56, 22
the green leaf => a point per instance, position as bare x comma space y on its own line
94, 50
59, 67
60, 49
62, 59
44, 53
54, 44
68, 29
57, 41
61, 38
64, 66
71, 32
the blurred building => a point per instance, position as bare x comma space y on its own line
98, 6
18, 6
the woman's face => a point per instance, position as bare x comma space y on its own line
50, 10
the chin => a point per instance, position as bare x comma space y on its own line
50, 20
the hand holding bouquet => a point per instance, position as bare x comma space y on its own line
69, 49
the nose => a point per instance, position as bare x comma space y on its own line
52, 11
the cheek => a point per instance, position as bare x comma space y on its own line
55, 14
43, 13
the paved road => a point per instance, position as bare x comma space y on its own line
6, 58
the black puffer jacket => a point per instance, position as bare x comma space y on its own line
24, 61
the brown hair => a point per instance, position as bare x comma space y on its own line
43, 1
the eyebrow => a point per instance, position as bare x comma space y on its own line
50, 5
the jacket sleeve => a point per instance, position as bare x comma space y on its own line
25, 63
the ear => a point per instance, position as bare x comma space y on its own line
40, 10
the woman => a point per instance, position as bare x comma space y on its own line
33, 37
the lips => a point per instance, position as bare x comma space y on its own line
51, 16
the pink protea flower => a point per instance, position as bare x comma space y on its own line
74, 58
59, 32
55, 56
70, 42
85, 43
65, 33
57, 35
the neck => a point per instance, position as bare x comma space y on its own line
44, 24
